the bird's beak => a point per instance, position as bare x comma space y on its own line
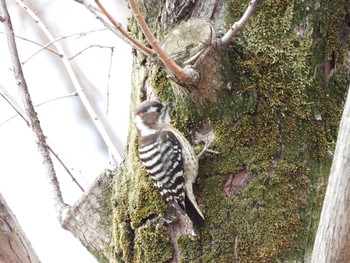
170, 105
166, 110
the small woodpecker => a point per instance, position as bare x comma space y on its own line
168, 158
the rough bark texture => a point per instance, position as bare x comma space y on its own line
90, 219
279, 95
332, 242
274, 117
14, 245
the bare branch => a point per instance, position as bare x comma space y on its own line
35, 43
109, 79
186, 74
58, 39
31, 113
83, 50
113, 28
20, 112
80, 90
119, 27
15, 106
240, 24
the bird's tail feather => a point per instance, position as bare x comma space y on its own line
196, 218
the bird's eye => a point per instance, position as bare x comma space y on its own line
158, 110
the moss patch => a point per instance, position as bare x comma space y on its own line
276, 119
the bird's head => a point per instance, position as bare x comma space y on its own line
151, 116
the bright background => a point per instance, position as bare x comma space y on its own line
64, 121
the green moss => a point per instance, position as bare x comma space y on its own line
267, 117
276, 118
135, 201
264, 220
152, 244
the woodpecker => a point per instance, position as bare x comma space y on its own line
168, 158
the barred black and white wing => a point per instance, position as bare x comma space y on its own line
161, 155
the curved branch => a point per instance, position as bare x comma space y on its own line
119, 27
240, 24
57, 39
114, 29
186, 74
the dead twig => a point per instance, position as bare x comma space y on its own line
20, 112
79, 89
109, 80
84, 49
43, 47
6, 96
43, 148
115, 30
35, 43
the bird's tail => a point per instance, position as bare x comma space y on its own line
192, 212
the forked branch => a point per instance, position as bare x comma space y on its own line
79, 89
119, 27
186, 74
116, 29
20, 112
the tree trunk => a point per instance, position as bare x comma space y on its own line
277, 103
272, 100
332, 242
14, 245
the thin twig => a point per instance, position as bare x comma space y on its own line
58, 39
119, 27
3, 93
59, 159
60, 205
182, 74
83, 50
14, 105
35, 43
20, 112
109, 80
111, 27
240, 24
80, 90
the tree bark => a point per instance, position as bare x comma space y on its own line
275, 111
14, 245
272, 100
332, 242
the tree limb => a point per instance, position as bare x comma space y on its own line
115, 30
60, 206
20, 112
240, 24
119, 27
186, 74
80, 90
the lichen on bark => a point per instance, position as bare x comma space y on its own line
275, 123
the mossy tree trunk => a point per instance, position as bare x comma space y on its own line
274, 114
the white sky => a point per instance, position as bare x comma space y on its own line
64, 121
